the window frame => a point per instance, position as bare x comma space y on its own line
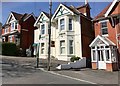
71, 46
12, 26
62, 25
104, 28
70, 24
62, 47
42, 29
42, 48
10, 39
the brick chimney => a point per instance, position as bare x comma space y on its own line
85, 9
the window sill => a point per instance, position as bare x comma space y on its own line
62, 55
70, 31
105, 35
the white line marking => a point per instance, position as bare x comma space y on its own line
42, 69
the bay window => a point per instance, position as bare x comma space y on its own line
107, 55
62, 47
42, 48
12, 26
94, 55
43, 29
70, 46
62, 24
70, 24
15, 25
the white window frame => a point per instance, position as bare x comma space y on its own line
62, 46
70, 24
10, 38
95, 54
16, 25
62, 24
103, 28
92, 54
104, 49
42, 29
42, 47
12, 27
71, 46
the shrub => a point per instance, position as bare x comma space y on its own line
74, 58
9, 49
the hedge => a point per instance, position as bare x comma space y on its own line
9, 49
74, 58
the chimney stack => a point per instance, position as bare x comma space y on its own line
86, 2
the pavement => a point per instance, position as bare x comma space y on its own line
84, 74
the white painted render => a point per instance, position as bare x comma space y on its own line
57, 35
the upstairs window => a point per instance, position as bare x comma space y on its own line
104, 28
43, 29
70, 24
12, 26
62, 24
15, 25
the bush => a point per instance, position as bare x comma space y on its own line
9, 49
74, 58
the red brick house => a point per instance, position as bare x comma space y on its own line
105, 48
19, 29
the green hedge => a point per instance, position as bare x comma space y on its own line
9, 49
74, 58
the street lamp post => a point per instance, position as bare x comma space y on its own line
49, 33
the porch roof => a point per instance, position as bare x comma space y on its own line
102, 40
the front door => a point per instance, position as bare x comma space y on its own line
101, 60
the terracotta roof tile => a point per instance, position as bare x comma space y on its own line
101, 14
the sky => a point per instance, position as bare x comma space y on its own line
37, 7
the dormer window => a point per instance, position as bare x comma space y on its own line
70, 24
62, 24
43, 29
104, 28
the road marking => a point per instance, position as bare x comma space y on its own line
42, 69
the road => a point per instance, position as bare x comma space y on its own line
17, 71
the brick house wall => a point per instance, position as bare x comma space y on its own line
87, 37
112, 30
27, 33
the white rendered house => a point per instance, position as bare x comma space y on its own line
71, 32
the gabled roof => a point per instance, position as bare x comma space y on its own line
105, 12
19, 16
101, 14
105, 40
26, 16
71, 9
46, 14
111, 7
